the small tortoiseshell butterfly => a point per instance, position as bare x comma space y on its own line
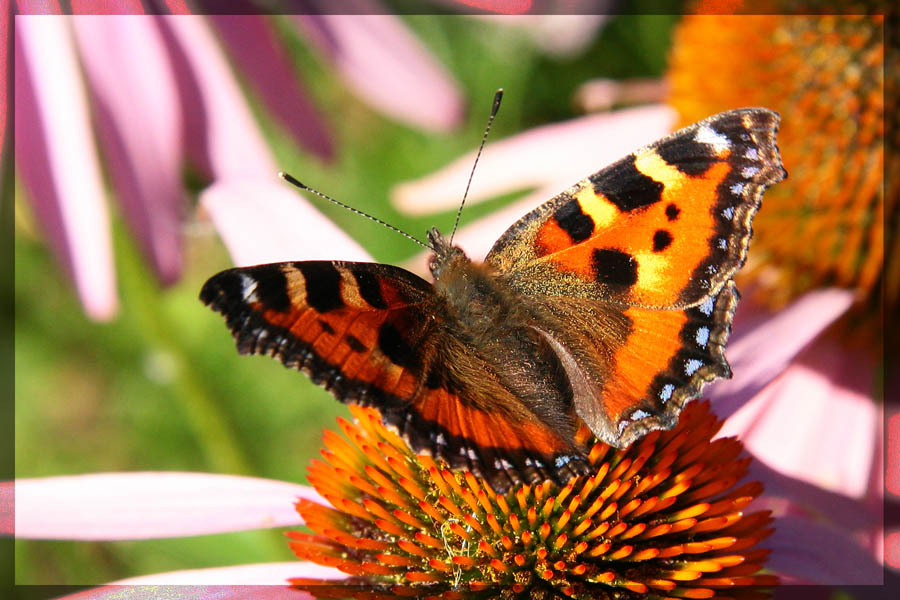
610, 304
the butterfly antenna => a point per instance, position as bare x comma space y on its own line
295, 182
497, 97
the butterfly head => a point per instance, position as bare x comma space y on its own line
444, 255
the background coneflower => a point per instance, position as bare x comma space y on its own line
825, 74
662, 517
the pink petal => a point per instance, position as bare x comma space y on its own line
892, 549
763, 344
387, 66
258, 574
138, 114
5, 33
186, 592
816, 553
221, 134
128, 506
264, 220
509, 7
807, 426
255, 49
558, 154
7, 508
57, 160
892, 478
557, 35
99, 8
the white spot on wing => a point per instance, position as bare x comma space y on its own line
691, 366
702, 336
561, 461
639, 414
737, 189
707, 307
749, 172
666, 392
728, 213
708, 135
723, 243
248, 288
440, 440
751, 153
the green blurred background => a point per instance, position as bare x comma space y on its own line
162, 387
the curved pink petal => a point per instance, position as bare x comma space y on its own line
254, 48
892, 549
220, 134
811, 552
119, 7
763, 344
808, 426
129, 506
558, 154
190, 592
6, 34
57, 161
892, 470
7, 508
139, 121
508, 7
387, 66
257, 574
556, 34
265, 220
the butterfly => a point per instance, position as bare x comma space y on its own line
610, 304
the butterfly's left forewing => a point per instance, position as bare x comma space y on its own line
376, 335
654, 241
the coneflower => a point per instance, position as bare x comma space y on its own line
826, 224
662, 518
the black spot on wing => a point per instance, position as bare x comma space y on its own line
672, 212
688, 155
323, 285
393, 345
326, 327
354, 343
369, 288
614, 267
626, 187
573, 221
662, 239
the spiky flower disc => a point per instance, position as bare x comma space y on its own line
659, 519
832, 220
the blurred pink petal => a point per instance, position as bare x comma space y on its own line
6, 33
186, 592
508, 7
258, 574
763, 344
7, 508
815, 553
129, 506
221, 134
119, 7
558, 154
262, 59
265, 220
603, 94
892, 478
56, 158
808, 425
387, 66
139, 122
892, 549
556, 34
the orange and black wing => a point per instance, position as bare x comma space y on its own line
374, 335
657, 235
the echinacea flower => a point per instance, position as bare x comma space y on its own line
817, 543
825, 74
662, 517
162, 95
